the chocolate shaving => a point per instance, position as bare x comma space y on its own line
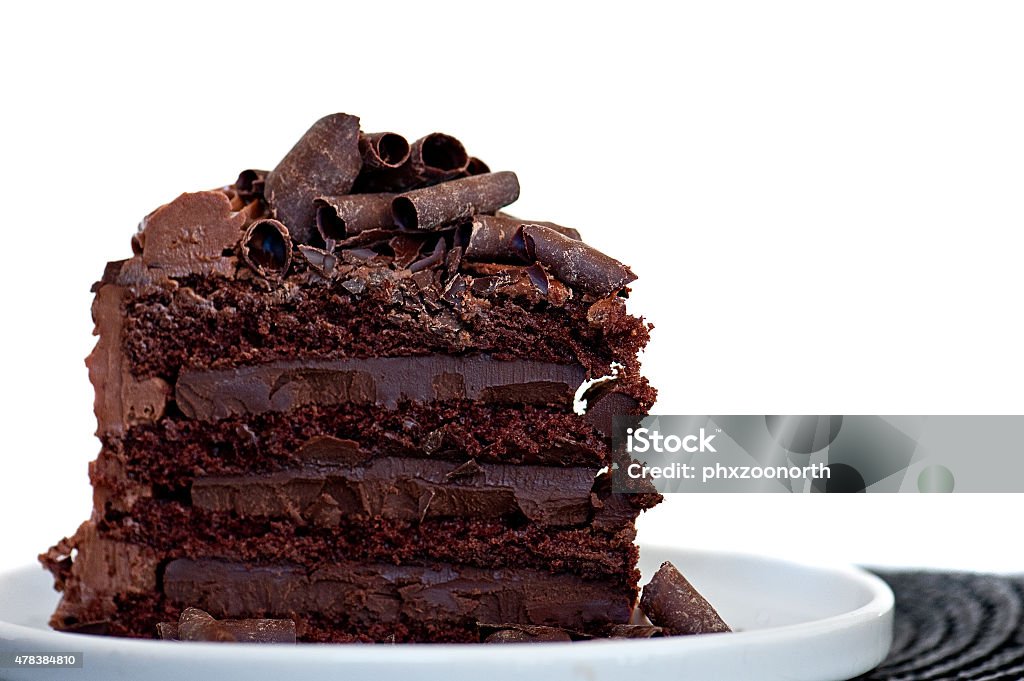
267, 248
468, 471
521, 633
383, 149
442, 204
574, 262
325, 162
198, 625
434, 258
454, 291
339, 217
671, 602
452, 261
493, 238
320, 260
369, 237
406, 248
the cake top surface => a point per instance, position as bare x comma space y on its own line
374, 212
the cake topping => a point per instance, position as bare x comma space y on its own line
338, 217
191, 234
320, 260
477, 167
267, 247
326, 161
574, 262
671, 602
434, 158
442, 204
492, 237
250, 183
383, 150
342, 196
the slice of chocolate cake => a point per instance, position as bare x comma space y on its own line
349, 393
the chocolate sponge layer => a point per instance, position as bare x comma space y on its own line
449, 431
221, 323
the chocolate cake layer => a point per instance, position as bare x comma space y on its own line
171, 529
362, 594
452, 431
207, 323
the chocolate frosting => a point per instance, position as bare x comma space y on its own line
191, 234
121, 399
279, 386
405, 489
365, 594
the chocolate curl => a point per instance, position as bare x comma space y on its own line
477, 167
267, 248
383, 149
325, 162
437, 157
339, 217
671, 602
434, 158
573, 262
250, 184
568, 231
441, 204
492, 237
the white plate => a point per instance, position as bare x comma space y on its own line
795, 622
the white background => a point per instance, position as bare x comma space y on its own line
823, 201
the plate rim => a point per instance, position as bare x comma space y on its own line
879, 607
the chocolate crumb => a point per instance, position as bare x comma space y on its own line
198, 625
521, 633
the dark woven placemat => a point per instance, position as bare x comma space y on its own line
955, 625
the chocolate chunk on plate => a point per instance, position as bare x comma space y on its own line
671, 602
